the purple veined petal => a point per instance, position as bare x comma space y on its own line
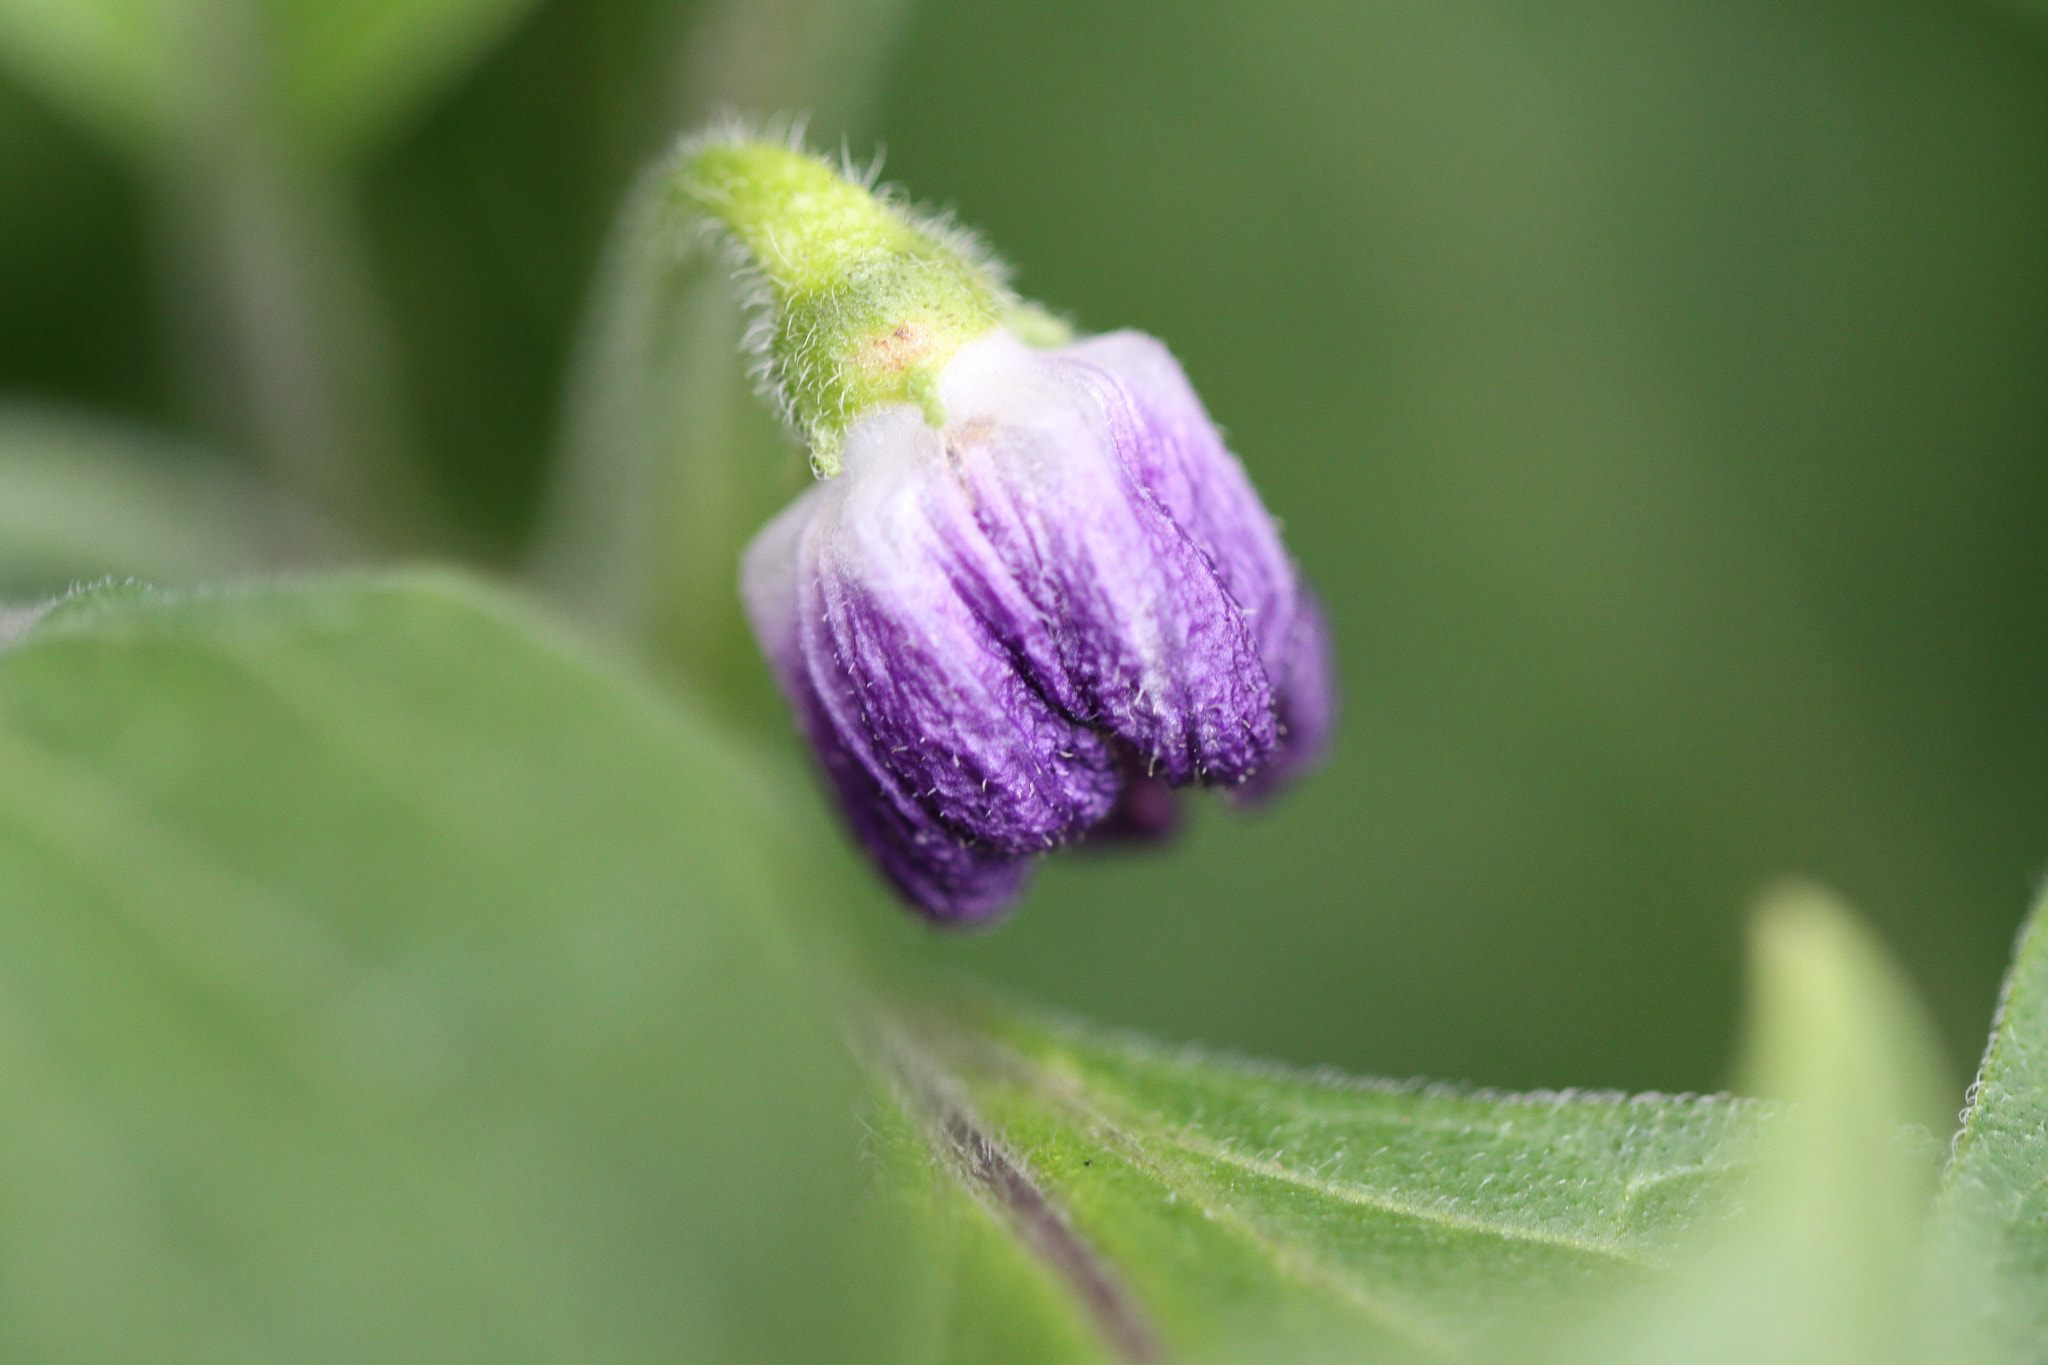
1182, 459
1307, 703
951, 879
914, 663
1175, 451
1120, 618
1024, 629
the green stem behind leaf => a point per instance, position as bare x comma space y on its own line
283, 342
669, 462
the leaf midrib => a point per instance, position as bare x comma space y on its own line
1133, 1117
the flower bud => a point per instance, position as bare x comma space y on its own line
1032, 589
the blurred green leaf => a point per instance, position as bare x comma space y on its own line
106, 61
356, 68
1208, 1209
1822, 1268
1992, 1224
249, 118
332, 75
86, 498
380, 981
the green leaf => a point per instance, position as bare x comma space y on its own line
355, 69
331, 75
381, 981
980, 1294
249, 119
104, 61
1822, 1268
82, 499
1992, 1221
1203, 1208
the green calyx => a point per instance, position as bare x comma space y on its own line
866, 303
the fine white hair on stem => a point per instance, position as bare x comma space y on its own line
863, 176
699, 231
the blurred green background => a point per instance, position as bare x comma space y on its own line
1658, 395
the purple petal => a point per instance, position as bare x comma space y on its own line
1307, 702
1165, 435
1107, 604
1181, 458
950, 878
916, 667
1025, 628
954, 880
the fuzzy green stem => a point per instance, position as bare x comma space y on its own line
867, 304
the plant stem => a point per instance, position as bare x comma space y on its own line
282, 339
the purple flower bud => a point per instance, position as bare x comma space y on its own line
1014, 630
